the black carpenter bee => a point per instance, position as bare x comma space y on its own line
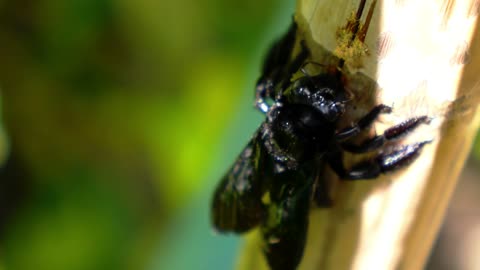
272, 182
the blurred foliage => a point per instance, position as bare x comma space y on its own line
120, 117
3, 137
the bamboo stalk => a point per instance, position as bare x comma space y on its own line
423, 57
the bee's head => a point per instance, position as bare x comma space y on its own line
322, 92
330, 105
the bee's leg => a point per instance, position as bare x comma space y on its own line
299, 60
383, 163
394, 133
322, 187
363, 123
297, 63
322, 192
263, 91
278, 68
267, 84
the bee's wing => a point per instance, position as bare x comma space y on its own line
237, 204
285, 228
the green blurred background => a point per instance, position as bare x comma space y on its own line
118, 117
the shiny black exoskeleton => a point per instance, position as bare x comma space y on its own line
272, 183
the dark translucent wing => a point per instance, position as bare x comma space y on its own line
237, 204
285, 227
